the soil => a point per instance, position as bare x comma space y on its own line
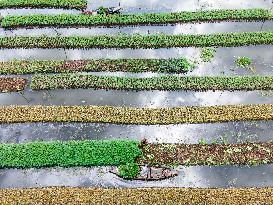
213, 154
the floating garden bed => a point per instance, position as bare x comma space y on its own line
64, 4
122, 152
126, 115
9, 84
140, 41
69, 20
69, 81
172, 196
211, 154
68, 154
172, 65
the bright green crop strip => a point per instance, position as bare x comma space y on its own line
131, 19
68, 154
66, 81
65, 4
172, 65
140, 41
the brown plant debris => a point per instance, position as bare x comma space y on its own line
211, 154
8, 84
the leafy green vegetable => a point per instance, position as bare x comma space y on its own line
171, 65
101, 11
129, 170
133, 19
65, 4
68, 154
140, 41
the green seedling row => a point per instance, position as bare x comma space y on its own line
67, 20
65, 4
140, 41
74, 80
180, 65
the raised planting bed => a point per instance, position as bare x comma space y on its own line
140, 41
127, 115
8, 84
69, 81
211, 154
68, 20
68, 154
172, 65
122, 152
64, 4
142, 196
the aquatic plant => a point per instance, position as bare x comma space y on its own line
243, 62
207, 54
129, 170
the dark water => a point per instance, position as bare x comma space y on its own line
189, 28
140, 6
151, 99
221, 177
231, 132
176, 5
